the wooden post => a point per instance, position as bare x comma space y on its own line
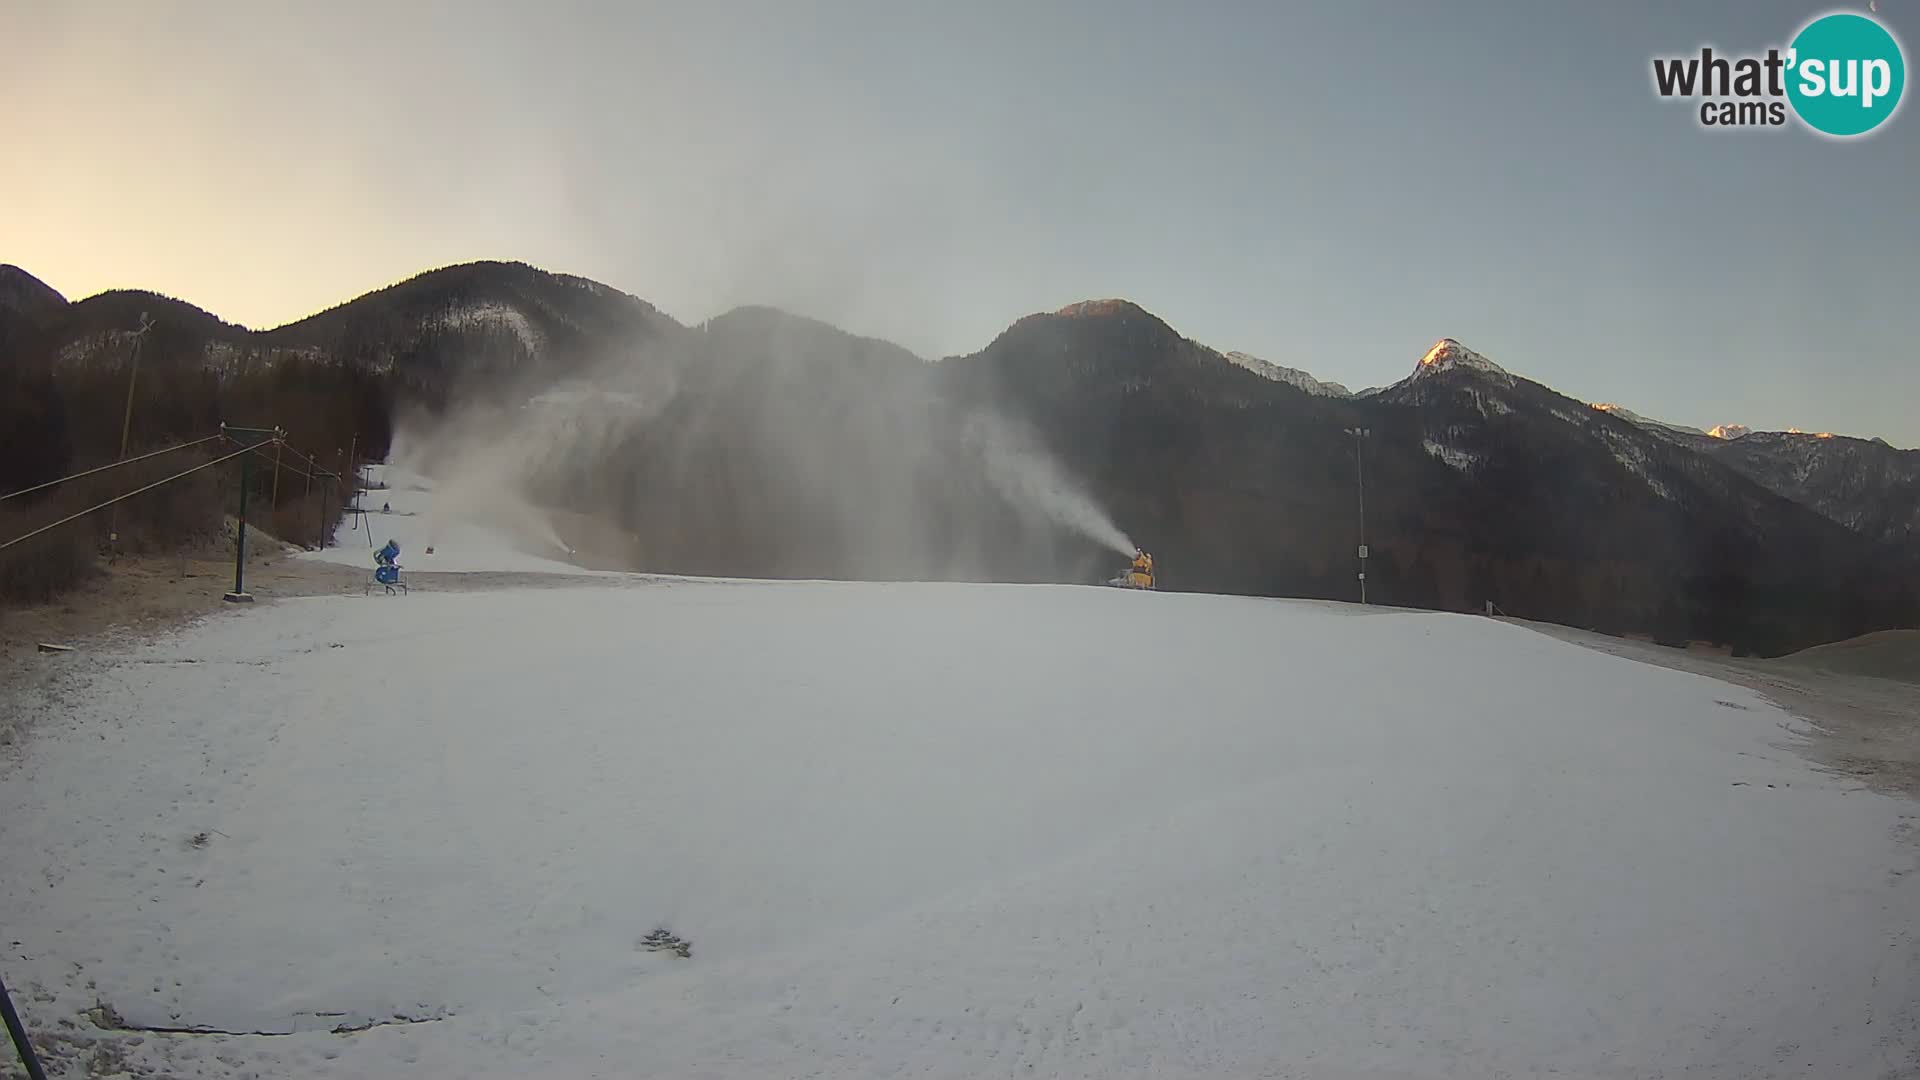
126, 424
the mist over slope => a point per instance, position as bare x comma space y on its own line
761, 443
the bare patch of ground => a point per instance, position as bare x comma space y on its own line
1866, 719
133, 597
1886, 654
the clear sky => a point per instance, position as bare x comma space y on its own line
1328, 185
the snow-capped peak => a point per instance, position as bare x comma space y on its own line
1293, 377
1448, 354
1729, 431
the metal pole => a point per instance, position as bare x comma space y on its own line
239, 593
20, 1040
307, 495
1360, 473
274, 503
1360, 468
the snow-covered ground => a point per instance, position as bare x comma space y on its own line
466, 535
946, 830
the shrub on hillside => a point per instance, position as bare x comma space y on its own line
297, 519
37, 570
174, 515
179, 513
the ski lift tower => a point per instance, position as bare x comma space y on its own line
250, 438
1360, 475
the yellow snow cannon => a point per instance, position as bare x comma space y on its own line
1139, 575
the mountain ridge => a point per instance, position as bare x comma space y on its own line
774, 444
22, 292
1444, 354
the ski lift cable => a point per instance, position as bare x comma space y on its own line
260, 448
122, 498
311, 464
313, 469
314, 464
110, 465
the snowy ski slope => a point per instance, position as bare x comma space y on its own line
463, 538
942, 830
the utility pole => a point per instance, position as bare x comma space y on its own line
353, 480
240, 595
307, 495
126, 419
1360, 473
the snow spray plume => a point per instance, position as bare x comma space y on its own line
1028, 477
760, 444
475, 478
490, 464
821, 444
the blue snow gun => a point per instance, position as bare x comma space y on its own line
386, 569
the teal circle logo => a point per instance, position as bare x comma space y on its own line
1845, 73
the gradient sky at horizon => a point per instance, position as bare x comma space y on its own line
1331, 186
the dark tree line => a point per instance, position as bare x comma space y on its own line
72, 389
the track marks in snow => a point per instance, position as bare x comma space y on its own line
925, 830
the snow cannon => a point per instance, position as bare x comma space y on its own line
1139, 575
386, 569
